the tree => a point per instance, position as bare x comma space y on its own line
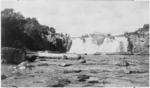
21, 32
12, 26
52, 30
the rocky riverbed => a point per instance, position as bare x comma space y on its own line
92, 71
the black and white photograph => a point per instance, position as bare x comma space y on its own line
75, 43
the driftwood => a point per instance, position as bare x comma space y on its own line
120, 53
64, 55
115, 53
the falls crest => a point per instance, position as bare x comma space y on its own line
104, 44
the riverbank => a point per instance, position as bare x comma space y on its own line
100, 70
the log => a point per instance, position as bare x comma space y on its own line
53, 55
119, 53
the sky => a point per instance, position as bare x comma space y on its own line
78, 17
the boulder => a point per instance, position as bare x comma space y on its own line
62, 83
3, 77
31, 58
24, 65
122, 63
29, 66
93, 80
85, 54
139, 70
12, 55
82, 61
64, 57
16, 73
64, 64
43, 64
22, 68
124, 58
42, 59
83, 77
72, 71
127, 71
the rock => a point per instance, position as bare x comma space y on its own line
79, 57
43, 64
122, 63
65, 57
13, 86
135, 70
31, 58
105, 82
22, 65
38, 71
82, 61
16, 72
22, 68
62, 83
29, 66
72, 71
97, 53
58, 58
64, 64
138, 70
12, 55
4, 61
83, 77
139, 40
14, 77
42, 59
127, 71
39, 81
93, 80
15, 67
3, 77
31, 75
124, 58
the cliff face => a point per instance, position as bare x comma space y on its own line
139, 40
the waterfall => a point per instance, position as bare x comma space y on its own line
107, 45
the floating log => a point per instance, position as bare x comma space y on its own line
119, 53
114, 53
53, 55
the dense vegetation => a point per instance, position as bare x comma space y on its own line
29, 34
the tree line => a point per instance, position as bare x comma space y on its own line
28, 34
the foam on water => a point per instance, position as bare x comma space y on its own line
119, 44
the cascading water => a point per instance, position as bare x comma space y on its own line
119, 44
107, 45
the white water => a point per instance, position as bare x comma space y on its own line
108, 46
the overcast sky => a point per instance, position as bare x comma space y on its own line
84, 16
